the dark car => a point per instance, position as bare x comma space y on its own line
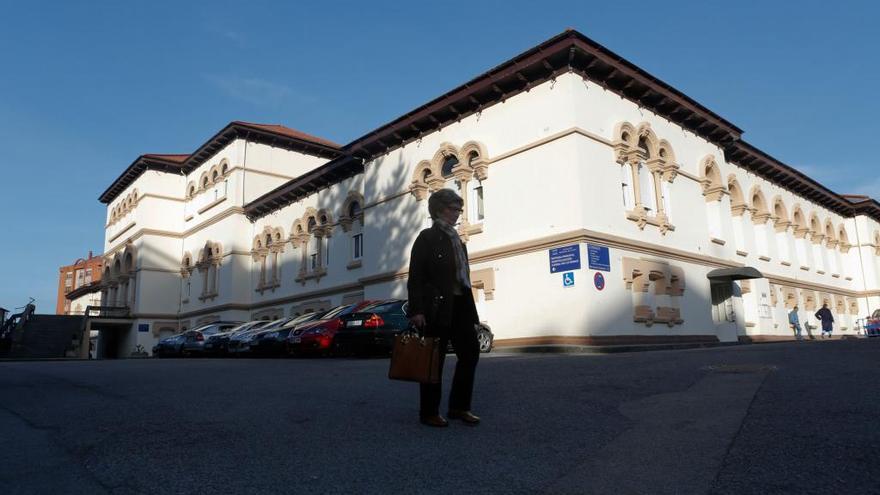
194, 340
218, 344
252, 340
271, 340
169, 346
316, 337
373, 328
240, 341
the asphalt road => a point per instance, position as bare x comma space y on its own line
777, 418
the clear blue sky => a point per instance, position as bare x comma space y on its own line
86, 87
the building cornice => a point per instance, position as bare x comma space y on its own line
271, 135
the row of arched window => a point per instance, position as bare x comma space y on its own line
118, 279
791, 237
310, 234
463, 170
648, 169
214, 175
124, 207
207, 261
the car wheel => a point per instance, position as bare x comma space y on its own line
485, 340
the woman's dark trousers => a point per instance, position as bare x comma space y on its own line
467, 352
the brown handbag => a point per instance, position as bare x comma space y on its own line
415, 359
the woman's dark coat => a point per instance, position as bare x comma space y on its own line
432, 280
827, 318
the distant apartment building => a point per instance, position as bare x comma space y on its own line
75, 282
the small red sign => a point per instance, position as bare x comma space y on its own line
599, 280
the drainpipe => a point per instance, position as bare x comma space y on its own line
182, 251
862, 266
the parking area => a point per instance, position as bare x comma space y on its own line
792, 418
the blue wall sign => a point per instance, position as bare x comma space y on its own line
143, 327
568, 279
565, 258
599, 280
598, 258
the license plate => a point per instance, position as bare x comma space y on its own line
354, 323
297, 340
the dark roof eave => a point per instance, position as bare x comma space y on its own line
241, 130
751, 158
137, 167
206, 150
324, 176
569, 51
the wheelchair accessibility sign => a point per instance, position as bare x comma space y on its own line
568, 279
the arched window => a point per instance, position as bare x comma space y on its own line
476, 212
712, 191
781, 225
205, 182
647, 192
357, 236
448, 164
224, 169
738, 206
314, 260
817, 235
627, 187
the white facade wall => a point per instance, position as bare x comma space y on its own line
553, 180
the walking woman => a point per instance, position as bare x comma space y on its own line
441, 305
824, 315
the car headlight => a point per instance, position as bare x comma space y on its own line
316, 331
270, 335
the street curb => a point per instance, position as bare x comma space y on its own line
614, 349
608, 349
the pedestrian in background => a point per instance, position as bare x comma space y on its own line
824, 315
441, 304
795, 323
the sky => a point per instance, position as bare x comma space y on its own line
86, 87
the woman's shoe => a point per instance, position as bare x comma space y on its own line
467, 417
435, 420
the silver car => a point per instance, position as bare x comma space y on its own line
194, 340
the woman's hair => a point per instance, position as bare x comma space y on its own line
441, 199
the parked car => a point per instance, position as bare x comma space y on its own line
372, 329
194, 340
872, 325
241, 343
218, 344
316, 336
275, 341
169, 346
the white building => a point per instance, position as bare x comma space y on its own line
565, 145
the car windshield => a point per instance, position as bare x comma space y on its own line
302, 319
341, 310
392, 307
277, 323
244, 326
211, 330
